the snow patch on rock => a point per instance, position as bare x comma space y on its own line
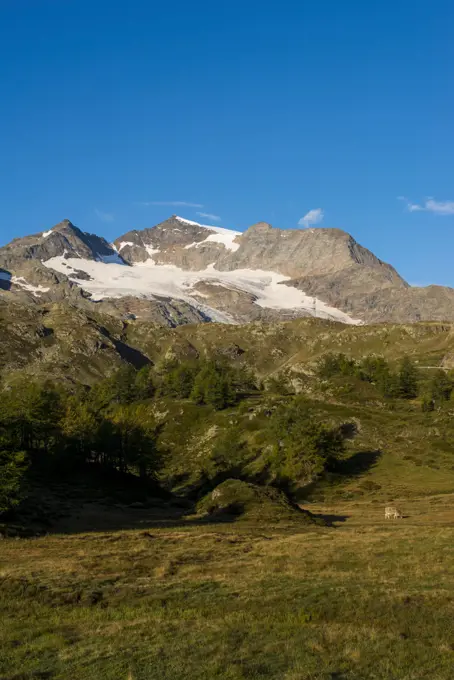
123, 244
225, 237
152, 251
148, 279
22, 283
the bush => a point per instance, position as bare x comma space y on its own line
279, 384
427, 405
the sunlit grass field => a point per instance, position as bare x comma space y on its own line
364, 598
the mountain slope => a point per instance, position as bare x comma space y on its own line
181, 271
66, 342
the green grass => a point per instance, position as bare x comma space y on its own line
366, 599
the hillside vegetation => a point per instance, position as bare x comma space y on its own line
207, 502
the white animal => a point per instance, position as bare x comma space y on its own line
392, 513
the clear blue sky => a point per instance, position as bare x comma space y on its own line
255, 110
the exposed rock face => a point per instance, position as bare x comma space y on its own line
305, 252
63, 239
177, 241
22, 262
294, 253
363, 294
184, 272
161, 311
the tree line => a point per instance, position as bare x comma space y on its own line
109, 425
405, 381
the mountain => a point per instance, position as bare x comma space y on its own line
181, 271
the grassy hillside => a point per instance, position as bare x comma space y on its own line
64, 342
401, 452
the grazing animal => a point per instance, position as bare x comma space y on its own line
392, 513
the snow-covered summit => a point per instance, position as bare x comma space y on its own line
219, 230
261, 273
225, 237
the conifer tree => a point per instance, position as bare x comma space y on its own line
441, 386
408, 379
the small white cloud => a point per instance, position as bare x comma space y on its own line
314, 216
411, 207
440, 207
177, 204
104, 216
429, 205
209, 216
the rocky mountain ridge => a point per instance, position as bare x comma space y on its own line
181, 271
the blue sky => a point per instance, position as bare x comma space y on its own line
113, 111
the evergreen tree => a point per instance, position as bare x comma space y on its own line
178, 381
302, 446
408, 379
13, 467
135, 440
80, 427
278, 384
119, 388
143, 384
336, 364
441, 386
388, 383
124, 384
373, 369
213, 388
31, 415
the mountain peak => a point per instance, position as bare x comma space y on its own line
261, 226
64, 224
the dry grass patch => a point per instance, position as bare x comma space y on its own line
366, 599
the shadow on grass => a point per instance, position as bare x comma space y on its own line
357, 464
97, 517
339, 472
332, 520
